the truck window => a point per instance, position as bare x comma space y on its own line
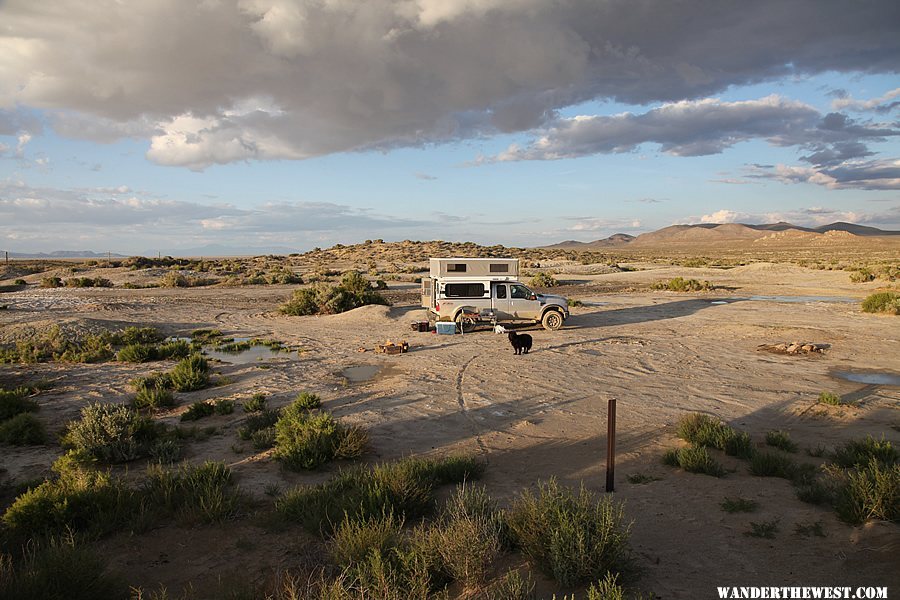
519, 291
464, 290
501, 291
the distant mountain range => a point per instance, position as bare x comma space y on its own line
727, 232
210, 250
66, 254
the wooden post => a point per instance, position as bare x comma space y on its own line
611, 446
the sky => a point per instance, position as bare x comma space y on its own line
143, 127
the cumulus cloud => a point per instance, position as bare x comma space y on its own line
863, 175
813, 216
343, 75
882, 104
708, 126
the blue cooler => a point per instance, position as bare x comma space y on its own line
445, 327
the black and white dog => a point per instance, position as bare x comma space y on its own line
521, 342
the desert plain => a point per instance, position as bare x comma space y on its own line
659, 354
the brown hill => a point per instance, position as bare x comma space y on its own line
617, 239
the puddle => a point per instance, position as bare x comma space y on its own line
250, 355
358, 374
870, 378
802, 299
718, 302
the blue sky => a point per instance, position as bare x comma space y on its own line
497, 121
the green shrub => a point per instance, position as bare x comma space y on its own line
856, 453
781, 440
20, 282
765, 529
166, 451
679, 284
59, 569
403, 488
871, 491
354, 540
574, 537
154, 381
829, 398
306, 440
111, 433
862, 276
223, 406
256, 403
79, 498
354, 291
470, 537
15, 402
263, 439
198, 410
734, 505
703, 430
23, 430
772, 464
140, 335
153, 397
192, 373
307, 401
512, 586
51, 282
544, 279
136, 353
203, 493
882, 302
265, 419
694, 459
177, 349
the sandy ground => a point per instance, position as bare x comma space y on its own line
659, 355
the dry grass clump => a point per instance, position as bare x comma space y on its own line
679, 284
882, 302
694, 459
706, 431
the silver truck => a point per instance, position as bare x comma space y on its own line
487, 289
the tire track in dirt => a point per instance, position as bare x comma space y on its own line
465, 409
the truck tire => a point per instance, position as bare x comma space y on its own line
552, 320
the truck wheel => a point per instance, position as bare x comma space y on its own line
552, 320
464, 324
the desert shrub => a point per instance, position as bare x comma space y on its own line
136, 353
829, 398
573, 303
198, 410
79, 498
15, 402
160, 381
256, 403
20, 282
264, 419
353, 292
203, 493
263, 439
23, 430
694, 459
679, 284
86, 282
856, 453
191, 373
511, 586
165, 451
772, 464
223, 406
354, 540
471, 535
863, 275
111, 433
306, 440
870, 491
816, 491
765, 529
51, 282
781, 440
574, 537
882, 302
58, 569
544, 279
703, 430
54, 345
817, 529
284, 277
153, 397
734, 505
170, 350
307, 401
404, 488
641, 478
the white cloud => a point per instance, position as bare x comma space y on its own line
348, 75
884, 103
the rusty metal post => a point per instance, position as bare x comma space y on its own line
611, 446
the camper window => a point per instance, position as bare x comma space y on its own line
464, 290
456, 267
499, 268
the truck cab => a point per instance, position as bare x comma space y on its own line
487, 286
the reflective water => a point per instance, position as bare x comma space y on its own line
871, 377
361, 373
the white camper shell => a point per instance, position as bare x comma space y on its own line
488, 287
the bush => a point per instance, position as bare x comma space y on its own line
354, 291
23, 430
264, 419
703, 430
694, 459
136, 353
871, 491
111, 433
153, 397
192, 373
59, 569
223, 406
679, 284
734, 505
306, 440
14, 402
197, 411
882, 302
772, 464
471, 535
403, 488
203, 493
857, 453
140, 335
573, 537
307, 401
354, 540
829, 398
544, 279
256, 403
51, 282
781, 440
79, 498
